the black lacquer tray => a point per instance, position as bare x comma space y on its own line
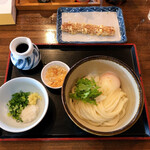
56, 125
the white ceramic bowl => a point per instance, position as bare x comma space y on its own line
52, 63
12, 86
129, 83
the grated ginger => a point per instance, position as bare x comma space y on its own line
33, 98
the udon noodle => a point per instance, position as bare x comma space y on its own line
111, 104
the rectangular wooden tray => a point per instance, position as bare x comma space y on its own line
56, 125
52, 5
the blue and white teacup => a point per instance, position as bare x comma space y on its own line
24, 54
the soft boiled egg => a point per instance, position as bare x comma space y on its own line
109, 82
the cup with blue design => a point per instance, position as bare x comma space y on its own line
25, 55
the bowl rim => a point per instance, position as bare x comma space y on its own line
50, 63
46, 99
130, 70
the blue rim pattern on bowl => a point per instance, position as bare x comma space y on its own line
91, 9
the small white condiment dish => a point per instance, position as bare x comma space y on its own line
15, 85
50, 64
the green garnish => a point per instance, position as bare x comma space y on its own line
86, 90
17, 103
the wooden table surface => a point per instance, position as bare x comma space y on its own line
37, 25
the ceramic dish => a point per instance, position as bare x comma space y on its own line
24, 84
107, 16
129, 84
45, 69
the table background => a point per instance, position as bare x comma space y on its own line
40, 26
